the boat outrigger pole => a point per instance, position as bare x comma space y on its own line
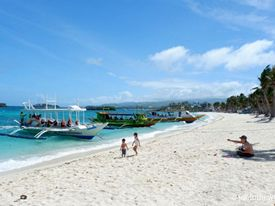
15, 131
39, 134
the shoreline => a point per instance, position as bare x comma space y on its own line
81, 155
193, 167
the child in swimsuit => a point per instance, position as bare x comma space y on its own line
123, 148
136, 143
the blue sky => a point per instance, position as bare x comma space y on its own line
104, 51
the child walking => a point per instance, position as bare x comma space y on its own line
136, 143
123, 148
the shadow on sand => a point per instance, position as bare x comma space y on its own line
260, 155
258, 119
124, 157
264, 120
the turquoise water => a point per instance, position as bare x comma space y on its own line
18, 152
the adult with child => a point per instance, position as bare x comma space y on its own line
246, 150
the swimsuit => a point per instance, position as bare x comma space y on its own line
123, 151
136, 142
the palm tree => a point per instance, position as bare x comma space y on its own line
262, 99
256, 101
258, 94
272, 86
232, 104
265, 86
242, 101
223, 106
217, 106
267, 80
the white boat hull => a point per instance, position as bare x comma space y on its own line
81, 131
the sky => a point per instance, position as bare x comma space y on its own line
106, 51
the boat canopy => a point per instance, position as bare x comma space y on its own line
119, 114
72, 108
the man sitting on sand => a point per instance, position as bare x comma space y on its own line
246, 150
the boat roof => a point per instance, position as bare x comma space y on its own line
120, 114
55, 110
72, 108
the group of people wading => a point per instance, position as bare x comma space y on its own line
37, 121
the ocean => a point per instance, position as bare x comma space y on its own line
17, 152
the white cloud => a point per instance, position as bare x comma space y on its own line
117, 76
94, 61
255, 54
177, 89
111, 74
184, 89
210, 59
169, 59
248, 56
123, 96
258, 4
252, 19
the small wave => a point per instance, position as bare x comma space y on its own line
8, 127
12, 164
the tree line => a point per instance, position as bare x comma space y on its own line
260, 101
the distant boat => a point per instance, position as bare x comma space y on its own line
100, 108
178, 116
3, 104
122, 120
46, 122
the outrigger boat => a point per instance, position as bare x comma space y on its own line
45, 122
185, 116
122, 120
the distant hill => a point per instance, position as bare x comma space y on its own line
157, 104
3, 104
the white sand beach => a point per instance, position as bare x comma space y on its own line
179, 168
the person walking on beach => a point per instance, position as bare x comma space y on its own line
136, 143
123, 148
246, 150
